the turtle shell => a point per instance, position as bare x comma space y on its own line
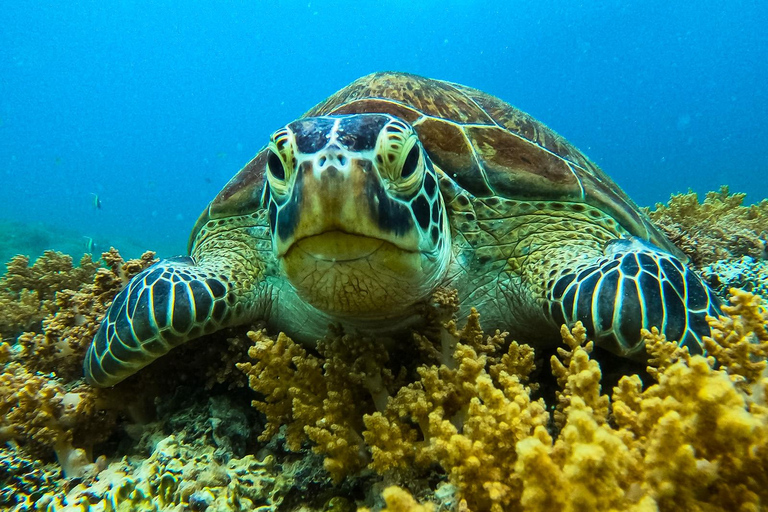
485, 145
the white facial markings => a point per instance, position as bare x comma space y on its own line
334, 155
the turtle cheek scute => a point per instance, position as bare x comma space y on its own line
391, 215
272, 217
422, 211
430, 185
288, 219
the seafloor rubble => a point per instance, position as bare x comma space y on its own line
451, 419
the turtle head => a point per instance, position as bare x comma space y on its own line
356, 216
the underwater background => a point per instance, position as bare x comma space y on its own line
120, 121
150, 107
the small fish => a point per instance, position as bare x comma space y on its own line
96, 201
90, 245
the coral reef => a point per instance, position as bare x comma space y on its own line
24, 480
27, 292
453, 419
75, 315
44, 406
746, 273
693, 439
178, 475
720, 228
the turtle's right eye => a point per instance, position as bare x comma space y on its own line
275, 166
411, 162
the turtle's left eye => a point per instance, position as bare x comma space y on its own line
275, 166
411, 162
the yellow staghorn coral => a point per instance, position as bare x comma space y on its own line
589, 467
739, 340
464, 420
283, 372
314, 397
578, 375
75, 315
701, 443
719, 228
44, 407
398, 499
44, 415
27, 292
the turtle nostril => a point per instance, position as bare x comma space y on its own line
342, 160
321, 161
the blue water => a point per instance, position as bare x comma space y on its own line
155, 105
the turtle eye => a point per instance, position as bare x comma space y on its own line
275, 166
411, 162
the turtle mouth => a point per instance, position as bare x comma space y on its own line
344, 274
338, 246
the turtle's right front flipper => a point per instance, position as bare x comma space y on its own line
162, 307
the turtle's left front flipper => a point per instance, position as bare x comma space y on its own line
167, 304
635, 286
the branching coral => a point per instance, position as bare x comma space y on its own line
400, 500
739, 340
43, 414
719, 228
74, 318
44, 407
27, 292
693, 440
701, 442
578, 375
317, 398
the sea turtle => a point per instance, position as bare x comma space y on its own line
394, 186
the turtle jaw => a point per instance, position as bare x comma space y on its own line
338, 246
347, 275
